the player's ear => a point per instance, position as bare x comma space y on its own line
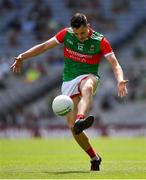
88, 24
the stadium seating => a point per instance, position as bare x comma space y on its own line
17, 91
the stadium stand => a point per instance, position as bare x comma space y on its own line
25, 23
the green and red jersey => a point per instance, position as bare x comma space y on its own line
82, 57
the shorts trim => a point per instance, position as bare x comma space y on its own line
75, 95
81, 82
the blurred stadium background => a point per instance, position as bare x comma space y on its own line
25, 99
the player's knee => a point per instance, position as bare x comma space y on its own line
70, 124
70, 117
72, 131
88, 90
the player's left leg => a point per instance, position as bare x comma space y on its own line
82, 138
87, 88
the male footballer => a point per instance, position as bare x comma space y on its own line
83, 51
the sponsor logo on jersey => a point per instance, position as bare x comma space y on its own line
85, 58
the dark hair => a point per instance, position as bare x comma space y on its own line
78, 20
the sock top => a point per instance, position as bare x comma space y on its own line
80, 116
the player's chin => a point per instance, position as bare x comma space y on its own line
81, 40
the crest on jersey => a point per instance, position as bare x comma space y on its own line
92, 47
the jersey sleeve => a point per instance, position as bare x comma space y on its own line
60, 35
105, 47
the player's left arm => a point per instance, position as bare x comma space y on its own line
116, 67
118, 72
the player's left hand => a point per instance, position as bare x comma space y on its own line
122, 89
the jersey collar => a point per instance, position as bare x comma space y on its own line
90, 32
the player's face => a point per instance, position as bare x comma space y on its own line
81, 33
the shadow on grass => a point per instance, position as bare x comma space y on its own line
65, 172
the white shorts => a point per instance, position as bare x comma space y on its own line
72, 88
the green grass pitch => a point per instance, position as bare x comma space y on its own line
52, 158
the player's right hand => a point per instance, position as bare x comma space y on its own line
17, 65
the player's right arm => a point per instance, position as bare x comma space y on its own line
34, 51
38, 49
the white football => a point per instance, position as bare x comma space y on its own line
62, 105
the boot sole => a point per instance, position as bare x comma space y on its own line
83, 124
